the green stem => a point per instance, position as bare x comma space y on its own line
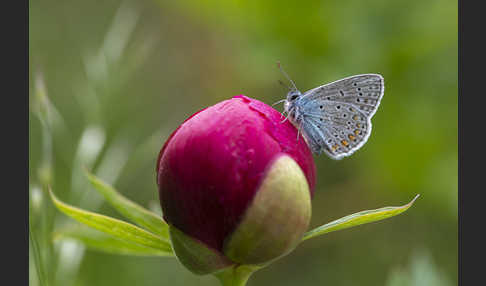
236, 275
37, 256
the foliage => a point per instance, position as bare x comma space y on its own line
110, 80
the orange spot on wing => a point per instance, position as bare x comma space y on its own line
345, 143
351, 137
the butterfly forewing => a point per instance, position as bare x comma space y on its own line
337, 116
363, 91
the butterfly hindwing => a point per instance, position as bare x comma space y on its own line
338, 131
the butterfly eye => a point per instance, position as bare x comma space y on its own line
294, 97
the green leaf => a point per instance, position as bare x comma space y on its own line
129, 209
358, 219
119, 229
100, 241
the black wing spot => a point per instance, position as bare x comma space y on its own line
341, 92
320, 107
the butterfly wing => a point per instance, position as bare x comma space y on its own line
337, 116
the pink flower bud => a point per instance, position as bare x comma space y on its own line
235, 185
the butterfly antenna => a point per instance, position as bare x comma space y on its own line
286, 75
284, 85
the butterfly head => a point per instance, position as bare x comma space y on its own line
293, 95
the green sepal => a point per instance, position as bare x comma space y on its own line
195, 255
129, 209
117, 228
359, 218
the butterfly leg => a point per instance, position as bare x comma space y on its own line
298, 131
280, 101
286, 118
299, 121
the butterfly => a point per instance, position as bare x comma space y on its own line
335, 118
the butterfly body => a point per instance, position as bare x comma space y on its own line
335, 118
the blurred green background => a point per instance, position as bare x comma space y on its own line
109, 80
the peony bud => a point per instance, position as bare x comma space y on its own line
235, 185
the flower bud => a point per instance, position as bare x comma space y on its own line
235, 185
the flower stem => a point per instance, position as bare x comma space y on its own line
236, 275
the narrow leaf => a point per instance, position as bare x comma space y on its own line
129, 209
115, 227
358, 219
100, 241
